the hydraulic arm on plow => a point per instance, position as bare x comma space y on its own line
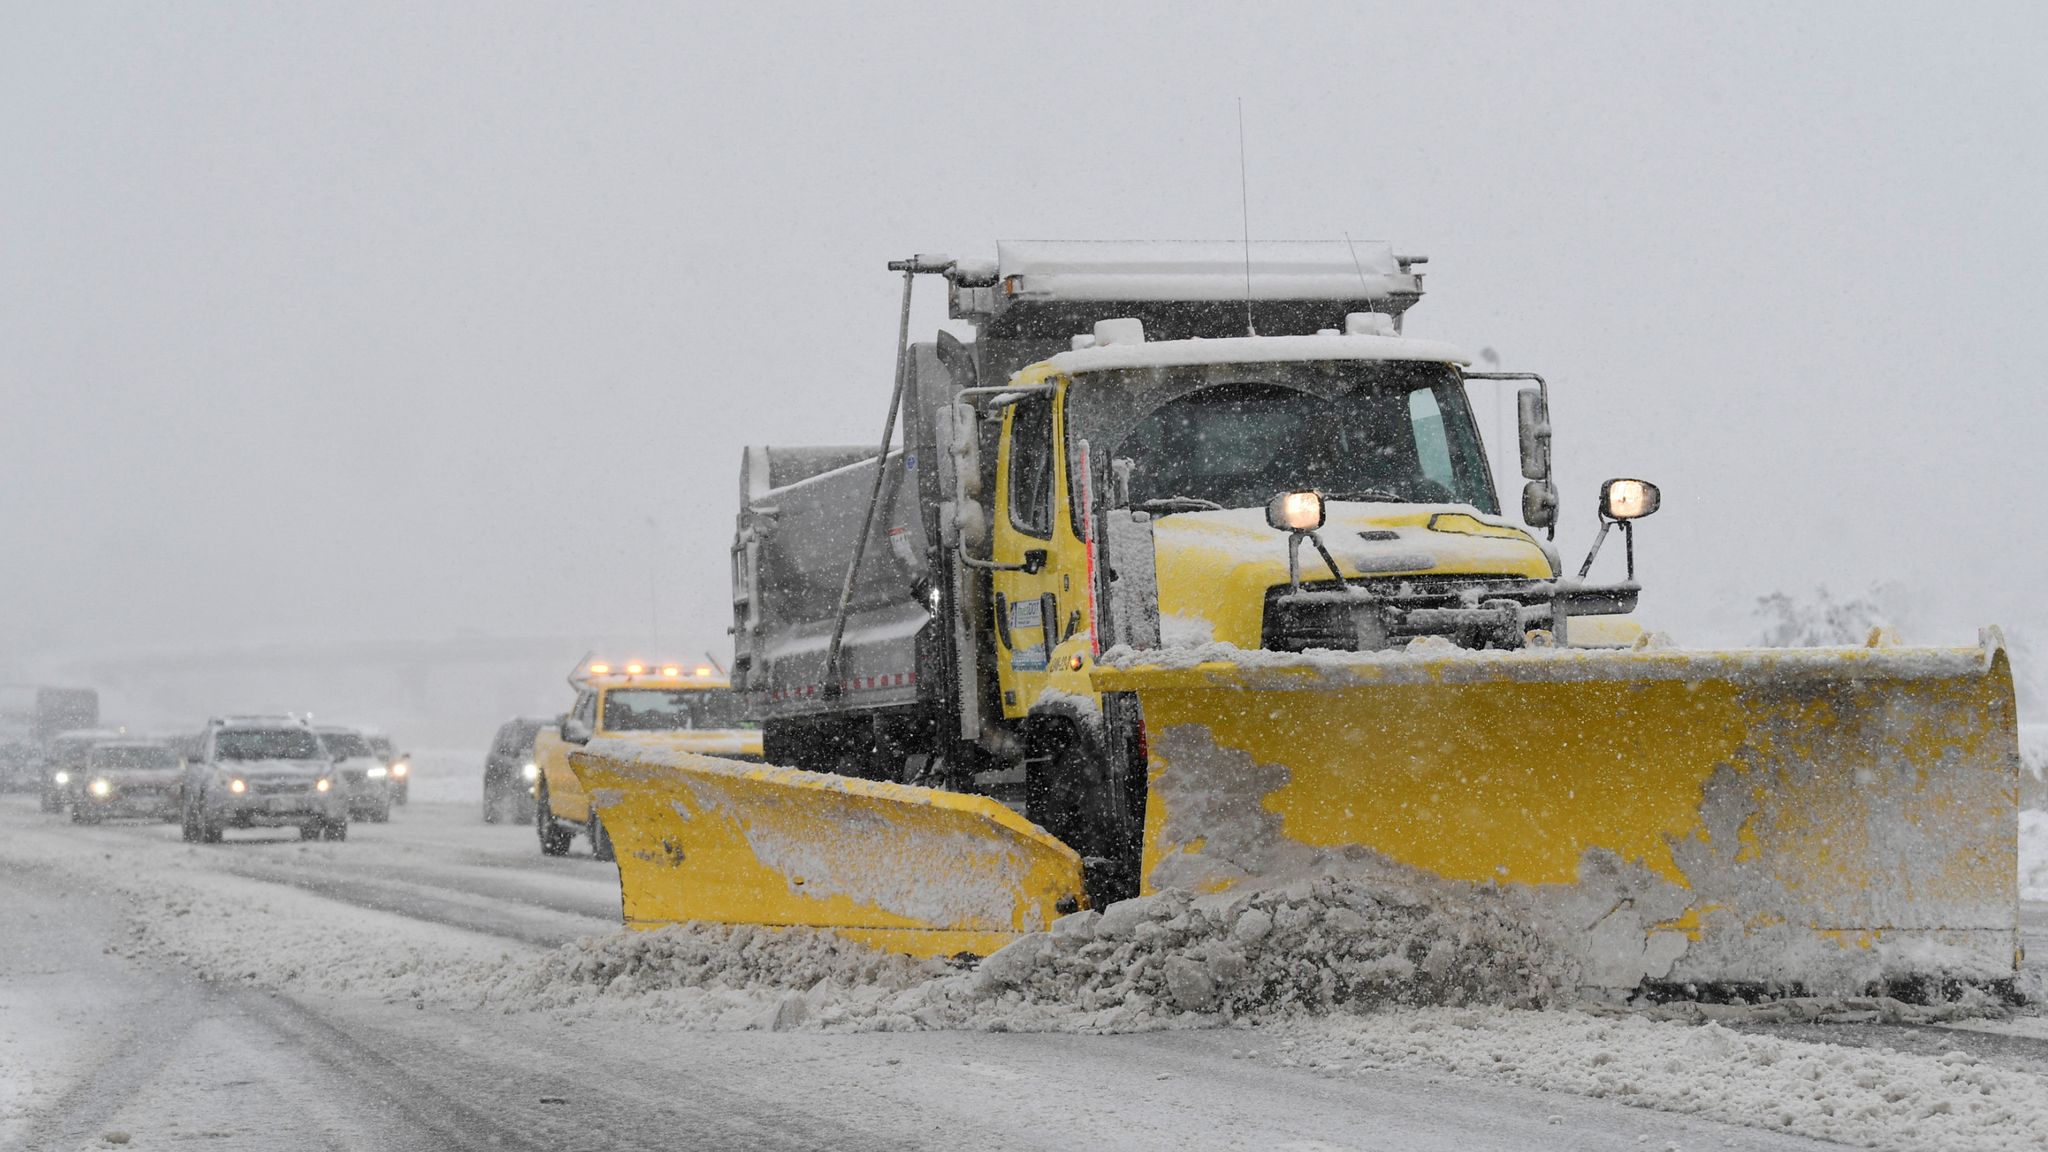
1144, 601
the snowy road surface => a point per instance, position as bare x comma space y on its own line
265, 993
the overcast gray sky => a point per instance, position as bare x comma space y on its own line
403, 320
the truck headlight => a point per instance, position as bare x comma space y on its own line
1628, 499
378, 773
322, 784
238, 786
1295, 511
100, 788
530, 772
61, 778
400, 769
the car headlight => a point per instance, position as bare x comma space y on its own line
400, 769
238, 786
100, 788
322, 784
61, 778
378, 773
530, 772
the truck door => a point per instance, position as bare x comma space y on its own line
1042, 618
551, 755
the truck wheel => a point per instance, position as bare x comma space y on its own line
337, 830
187, 829
309, 831
209, 829
600, 840
1068, 790
554, 839
491, 804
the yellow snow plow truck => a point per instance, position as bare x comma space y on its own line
648, 707
1174, 585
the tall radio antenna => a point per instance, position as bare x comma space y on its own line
1244, 203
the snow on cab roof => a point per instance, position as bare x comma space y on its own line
1254, 350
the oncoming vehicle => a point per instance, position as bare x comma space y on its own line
128, 778
398, 766
262, 772
652, 706
365, 775
63, 765
510, 769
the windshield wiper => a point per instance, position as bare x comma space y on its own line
1177, 504
1380, 494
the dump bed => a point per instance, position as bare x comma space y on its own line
789, 560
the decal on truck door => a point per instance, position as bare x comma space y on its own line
1028, 655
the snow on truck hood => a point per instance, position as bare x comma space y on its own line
704, 741
1214, 567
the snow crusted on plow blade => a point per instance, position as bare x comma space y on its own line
904, 869
1813, 819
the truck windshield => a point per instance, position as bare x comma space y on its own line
666, 710
133, 759
1234, 435
346, 745
267, 744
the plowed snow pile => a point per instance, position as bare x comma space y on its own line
1312, 946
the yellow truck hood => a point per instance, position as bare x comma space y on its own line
1214, 567
703, 741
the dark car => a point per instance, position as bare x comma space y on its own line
129, 778
510, 770
398, 764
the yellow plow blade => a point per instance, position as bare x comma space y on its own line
905, 869
1825, 818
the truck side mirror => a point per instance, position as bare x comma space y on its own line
1533, 422
1539, 504
575, 731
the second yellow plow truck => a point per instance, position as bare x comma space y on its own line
1190, 572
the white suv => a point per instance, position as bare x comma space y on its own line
263, 772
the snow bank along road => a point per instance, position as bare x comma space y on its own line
435, 983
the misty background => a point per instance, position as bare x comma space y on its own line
381, 359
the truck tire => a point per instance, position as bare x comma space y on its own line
336, 830
1070, 791
600, 840
210, 830
492, 802
554, 839
188, 827
309, 831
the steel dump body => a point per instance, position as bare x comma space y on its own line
792, 545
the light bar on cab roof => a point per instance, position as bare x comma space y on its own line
637, 668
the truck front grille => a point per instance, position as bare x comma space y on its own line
1378, 619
